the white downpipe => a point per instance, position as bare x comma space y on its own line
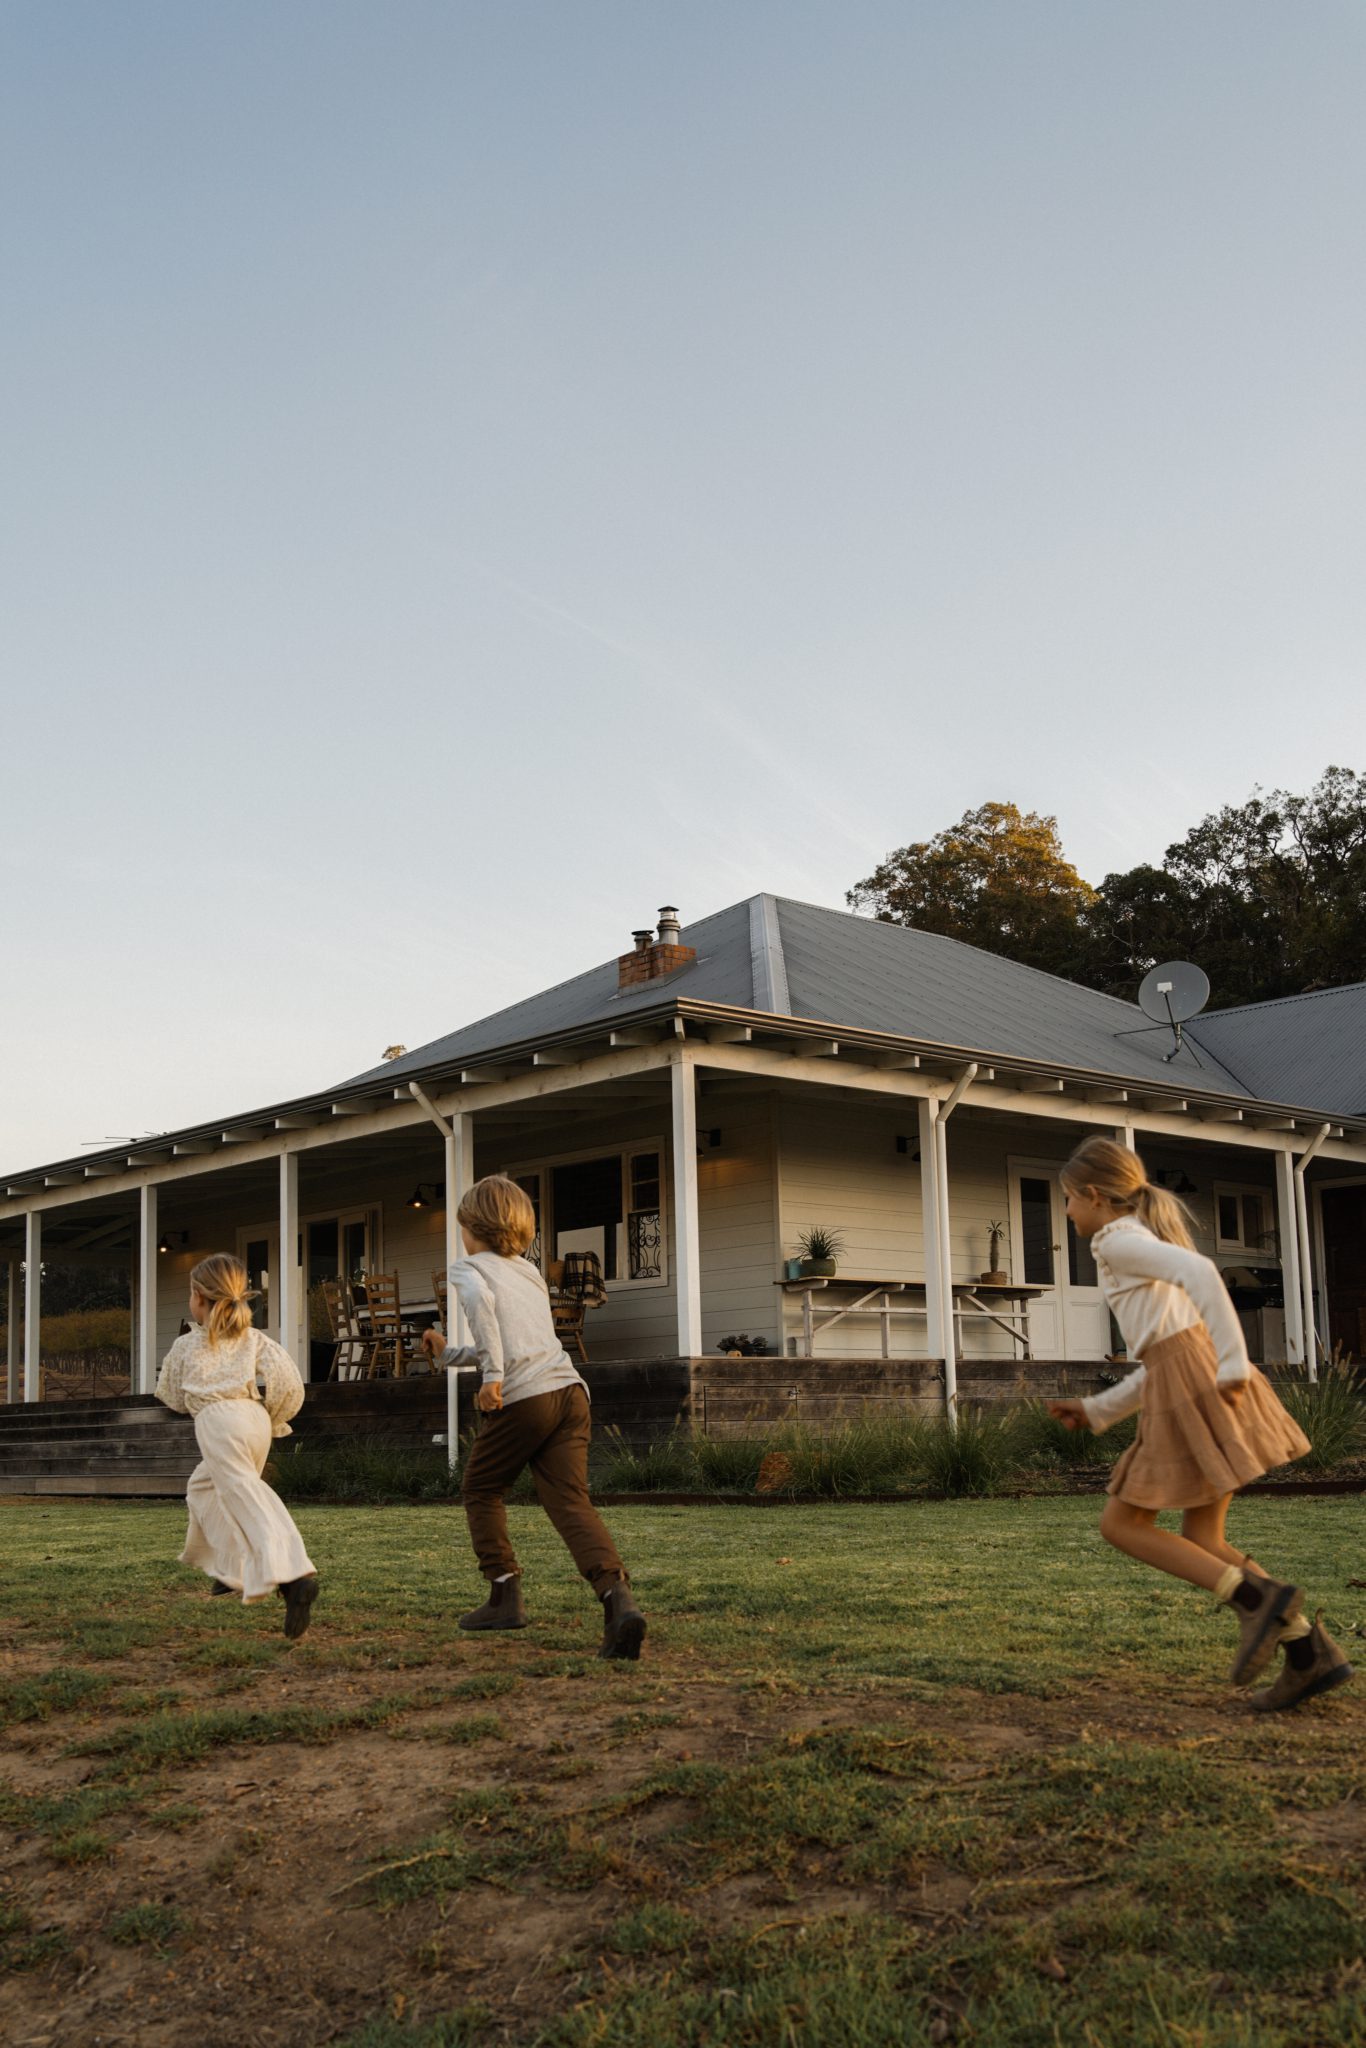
1288, 1230
1311, 1342
33, 1304
145, 1380
946, 1109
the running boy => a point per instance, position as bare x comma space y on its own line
534, 1411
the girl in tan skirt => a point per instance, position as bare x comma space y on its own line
241, 1389
1209, 1422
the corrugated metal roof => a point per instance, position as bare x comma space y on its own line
1309, 1048
855, 972
721, 973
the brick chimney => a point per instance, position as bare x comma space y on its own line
653, 957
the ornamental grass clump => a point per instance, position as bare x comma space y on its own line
875, 1454
974, 1456
1332, 1414
729, 1464
663, 1466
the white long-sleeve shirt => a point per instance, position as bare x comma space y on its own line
507, 1307
197, 1372
1154, 1290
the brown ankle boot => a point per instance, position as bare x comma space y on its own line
503, 1608
1259, 1627
1291, 1688
623, 1624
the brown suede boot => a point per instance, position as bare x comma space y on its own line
1259, 1627
503, 1608
1291, 1688
623, 1624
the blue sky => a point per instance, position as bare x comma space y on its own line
476, 473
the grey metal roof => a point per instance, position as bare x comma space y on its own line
777, 956
855, 972
722, 973
1309, 1048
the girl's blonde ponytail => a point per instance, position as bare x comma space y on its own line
1121, 1177
222, 1280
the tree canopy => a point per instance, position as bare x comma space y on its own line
1268, 896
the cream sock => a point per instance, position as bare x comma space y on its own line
1293, 1630
1230, 1581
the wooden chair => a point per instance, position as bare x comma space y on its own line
351, 1356
391, 1342
576, 1285
441, 1287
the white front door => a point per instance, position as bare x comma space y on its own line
1069, 1318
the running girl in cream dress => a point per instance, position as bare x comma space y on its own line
241, 1390
1209, 1422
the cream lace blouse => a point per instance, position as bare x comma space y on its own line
1156, 1289
195, 1372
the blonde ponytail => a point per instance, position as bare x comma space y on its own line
222, 1280
1119, 1175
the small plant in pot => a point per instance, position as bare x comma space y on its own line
995, 1276
819, 1250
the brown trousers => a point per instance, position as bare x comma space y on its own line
550, 1433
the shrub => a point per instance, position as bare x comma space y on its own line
876, 1454
1332, 1414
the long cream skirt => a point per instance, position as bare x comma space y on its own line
240, 1530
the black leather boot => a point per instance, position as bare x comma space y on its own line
298, 1596
503, 1608
623, 1624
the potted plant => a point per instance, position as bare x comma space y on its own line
995, 1276
820, 1251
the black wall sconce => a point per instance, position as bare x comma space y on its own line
708, 1141
173, 1240
1176, 1180
908, 1146
424, 1195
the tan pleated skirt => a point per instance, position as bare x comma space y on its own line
1195, 1444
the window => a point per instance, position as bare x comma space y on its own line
338, 1247
1244, 1221
1036, 1230
609, 1203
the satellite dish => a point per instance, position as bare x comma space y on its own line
1172, 994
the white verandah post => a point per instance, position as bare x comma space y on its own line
1288, 1233
929, 1215
1311, 1354
287, 1288
12, 1335
145, 1379
33, 1304
687, 1231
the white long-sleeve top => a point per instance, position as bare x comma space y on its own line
196, 1372
507, 1307
1155, 1289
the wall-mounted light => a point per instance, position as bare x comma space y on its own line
708, 1141
173, 1240
424, 1195
1176, 1180
907, 1146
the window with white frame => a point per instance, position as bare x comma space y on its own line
1244, 1221
608, 1203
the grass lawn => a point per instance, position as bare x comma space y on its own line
936, 1773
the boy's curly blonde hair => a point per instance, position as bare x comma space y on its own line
499, 1212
